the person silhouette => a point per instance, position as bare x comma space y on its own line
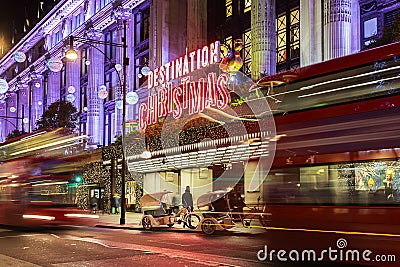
187, 199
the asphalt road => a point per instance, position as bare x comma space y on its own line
94, 246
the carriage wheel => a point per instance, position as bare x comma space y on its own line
208, 227
192, 221
146, 223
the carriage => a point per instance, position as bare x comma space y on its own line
157, 211
224, 212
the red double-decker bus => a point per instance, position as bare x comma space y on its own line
38, 181
336, 168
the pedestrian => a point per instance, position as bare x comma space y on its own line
93, 203
117, 203
187, 199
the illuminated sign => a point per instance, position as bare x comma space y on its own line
178, 92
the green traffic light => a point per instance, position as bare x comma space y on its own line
78, 179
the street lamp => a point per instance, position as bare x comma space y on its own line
72, 54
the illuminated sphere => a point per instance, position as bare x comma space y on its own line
71, 89
37, 85
13, 109
19, 56
103, 93
70, 98
118, 67
145, 70
25, 120
54, 64
3, 86
119, 104
40, 103
132, 98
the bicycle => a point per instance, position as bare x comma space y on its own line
188, 218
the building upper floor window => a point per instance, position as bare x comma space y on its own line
246, 52
77, 21
288, 39
110, 38
247, 6
142, 24
228, 8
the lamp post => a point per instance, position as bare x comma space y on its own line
71, 54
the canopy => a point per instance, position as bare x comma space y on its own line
206, 199
154, 199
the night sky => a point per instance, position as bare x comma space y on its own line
14, 15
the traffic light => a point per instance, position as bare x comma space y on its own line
78, 179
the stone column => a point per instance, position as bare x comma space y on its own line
167, 31
53, 93
120, 14
73, 79
95, 80
3, 122
37, 94
311, 32
337, 28
196, 24
263, 37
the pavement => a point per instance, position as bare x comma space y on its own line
132, 222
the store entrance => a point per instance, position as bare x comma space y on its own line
98, 192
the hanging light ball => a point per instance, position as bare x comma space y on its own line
54, 64
132, 98
118, 67
19, 56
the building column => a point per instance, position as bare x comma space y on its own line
95, 80
73, 79
167, 31
311, 32
196, 24
263, 33
337, 28
53, 86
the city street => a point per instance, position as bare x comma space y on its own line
121, 247
132, 246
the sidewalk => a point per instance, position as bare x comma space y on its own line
132, 220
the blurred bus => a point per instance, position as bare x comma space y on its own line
39, 175
337, 167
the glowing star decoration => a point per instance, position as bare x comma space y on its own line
3, 86
19, 56
13, 109
119, 104
71, 89
70, 98
54, 64
132, 98
118, 67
